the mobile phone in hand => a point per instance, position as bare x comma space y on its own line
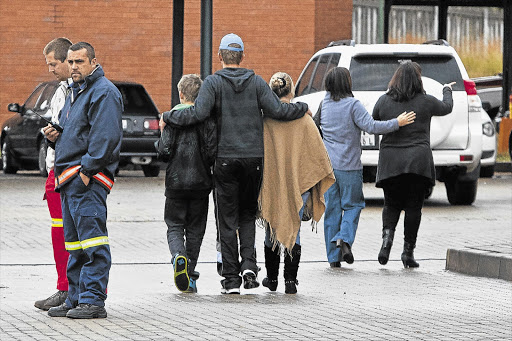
57, 127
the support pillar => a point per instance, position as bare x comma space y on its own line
178, 12
206, 38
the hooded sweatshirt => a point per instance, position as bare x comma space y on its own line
238, 99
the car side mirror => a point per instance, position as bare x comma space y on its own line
14, 107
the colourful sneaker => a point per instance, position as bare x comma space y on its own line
181, 279
192, 287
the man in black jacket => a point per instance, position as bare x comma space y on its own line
238, 99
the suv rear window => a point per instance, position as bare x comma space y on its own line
373, 73
136, 100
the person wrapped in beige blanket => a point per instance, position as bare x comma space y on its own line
296, 174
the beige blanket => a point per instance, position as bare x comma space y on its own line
295, 161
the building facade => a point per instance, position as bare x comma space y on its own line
133, 38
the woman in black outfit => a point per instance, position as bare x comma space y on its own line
406, 166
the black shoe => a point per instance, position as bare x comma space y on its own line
408, 256
228, 291
290, 286
335, 264
346, 251
387, 243
250, 279
87, 311
60, 311
271, 284
53, 301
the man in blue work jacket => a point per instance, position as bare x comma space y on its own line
86, 158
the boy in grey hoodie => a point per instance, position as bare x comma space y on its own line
238, 99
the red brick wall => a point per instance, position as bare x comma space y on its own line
133, 38
333, 21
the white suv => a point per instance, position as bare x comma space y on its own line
456, 139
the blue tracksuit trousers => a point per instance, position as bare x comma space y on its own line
84, 215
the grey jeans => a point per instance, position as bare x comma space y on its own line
186, 225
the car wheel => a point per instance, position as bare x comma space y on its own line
461, 192
8, 162
42, 159
487, 172
151, 171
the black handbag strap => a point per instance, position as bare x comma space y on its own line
317, 117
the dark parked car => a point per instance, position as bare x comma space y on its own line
23, 144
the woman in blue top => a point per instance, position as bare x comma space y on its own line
342, 119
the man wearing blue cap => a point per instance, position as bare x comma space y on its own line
238, 99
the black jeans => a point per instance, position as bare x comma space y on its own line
237, 186
404, 192
186, 225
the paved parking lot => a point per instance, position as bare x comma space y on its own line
362, 301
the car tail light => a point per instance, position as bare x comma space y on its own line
466, 158
470, 87
151, 124
474, 102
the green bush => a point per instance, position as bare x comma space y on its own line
479, 59
482, 60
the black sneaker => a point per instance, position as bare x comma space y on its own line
53, 301
60, 311
250, 279
228, 291
87, 311
346, 253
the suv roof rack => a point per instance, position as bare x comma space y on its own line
345, 42
437, 42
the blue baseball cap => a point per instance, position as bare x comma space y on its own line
231, 39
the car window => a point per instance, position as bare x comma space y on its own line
43, 103
303, 82
373, 73
326, 63
314, 76
31, 102
136, 100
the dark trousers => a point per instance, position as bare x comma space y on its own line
237, 186
186, 225
84, 214
404, 192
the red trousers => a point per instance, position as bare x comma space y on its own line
59, 250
